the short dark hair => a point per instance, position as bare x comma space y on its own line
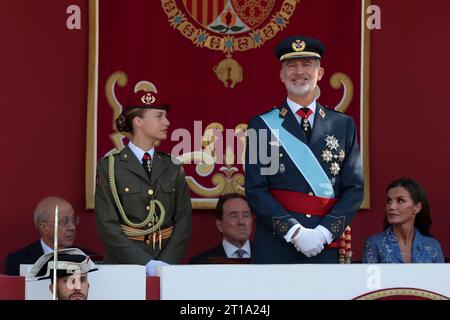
417, 193
225, 198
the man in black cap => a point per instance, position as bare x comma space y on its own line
72, 268
304, 206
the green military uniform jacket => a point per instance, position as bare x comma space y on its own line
135, 191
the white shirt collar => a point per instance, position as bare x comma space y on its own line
231, 249
138, 152
45, 247
295, 107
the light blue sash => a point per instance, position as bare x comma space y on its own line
302, 156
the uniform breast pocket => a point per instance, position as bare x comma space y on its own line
168, 188
125, 188
129, 194
167, 196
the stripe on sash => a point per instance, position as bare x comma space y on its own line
302, 156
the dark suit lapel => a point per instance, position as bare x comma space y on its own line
321, 125
220, 251
35, 251
133, 164
159, 165
291, 124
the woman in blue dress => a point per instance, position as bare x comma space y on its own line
406, 237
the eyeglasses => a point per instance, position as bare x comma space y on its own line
66, 220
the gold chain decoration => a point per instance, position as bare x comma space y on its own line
151, 214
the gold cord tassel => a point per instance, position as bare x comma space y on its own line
160, 238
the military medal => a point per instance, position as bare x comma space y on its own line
327, 156
332, 142
334, 168
341, 155
305, 124
149, 165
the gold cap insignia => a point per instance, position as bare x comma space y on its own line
148, 98
298, 45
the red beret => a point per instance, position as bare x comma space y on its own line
146, 99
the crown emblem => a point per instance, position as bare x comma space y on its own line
148, 98
298, 45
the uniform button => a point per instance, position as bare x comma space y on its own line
150, 191
281, 155
310, 193
308, 215
147, 242
148, 208
127, 189
173, 189
125, 155
149, 226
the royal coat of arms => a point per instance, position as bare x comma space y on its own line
229, 26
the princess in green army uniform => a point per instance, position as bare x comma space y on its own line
142, 203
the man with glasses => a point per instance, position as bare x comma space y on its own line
44, 219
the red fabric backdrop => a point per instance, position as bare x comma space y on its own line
44, 92
136, 37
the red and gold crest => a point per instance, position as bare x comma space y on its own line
229, 26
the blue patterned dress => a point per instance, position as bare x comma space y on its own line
383, 248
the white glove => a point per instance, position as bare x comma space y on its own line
309, 242
151, 266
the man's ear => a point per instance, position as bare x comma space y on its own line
219, 225
46, 230
321, 73
281, 74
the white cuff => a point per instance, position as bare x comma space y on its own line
326, 233
291, 231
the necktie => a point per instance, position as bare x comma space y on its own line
304, 113
147, 164
240, 253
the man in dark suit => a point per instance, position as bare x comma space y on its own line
311, 187
44, 217
234, 220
